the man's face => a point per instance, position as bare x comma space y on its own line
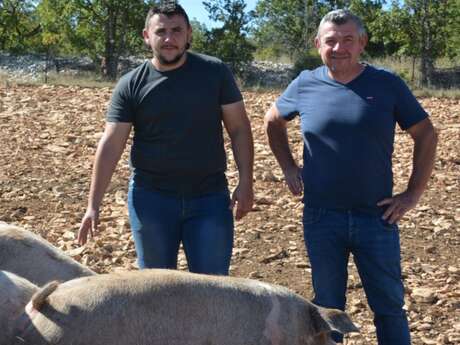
168, 38
340, 46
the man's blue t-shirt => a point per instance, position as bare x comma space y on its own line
348, 131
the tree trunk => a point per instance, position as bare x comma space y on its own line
311, 14
426, 63
111, 56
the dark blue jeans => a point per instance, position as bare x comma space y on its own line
159, 223
330, 237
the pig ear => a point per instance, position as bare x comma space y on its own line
332, 320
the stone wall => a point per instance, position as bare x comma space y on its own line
32, 67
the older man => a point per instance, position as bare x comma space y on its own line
348, 111
176, 103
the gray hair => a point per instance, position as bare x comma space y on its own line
340, 17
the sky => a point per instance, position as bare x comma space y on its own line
195, 9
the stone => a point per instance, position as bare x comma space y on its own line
424, 295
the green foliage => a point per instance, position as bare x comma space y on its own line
108, 29
56, 27
453, 29
289, 26
281, 26
270, 52
420, 28
372, 15
419, 25
307, 60
19, 26
229, 42
95, 28
198, 36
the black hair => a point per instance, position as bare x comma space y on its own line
168, 8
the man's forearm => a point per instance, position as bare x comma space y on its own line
279, 144
104, 165
243, 151
423, 162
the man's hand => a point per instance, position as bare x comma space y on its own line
89, 225
425, 141
398, 205
243, 197
294, 181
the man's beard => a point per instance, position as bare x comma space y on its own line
173, 61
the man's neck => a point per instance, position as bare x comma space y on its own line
345, 77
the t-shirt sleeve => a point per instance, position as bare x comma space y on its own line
229, 91
121, 107
408, 110
287, 102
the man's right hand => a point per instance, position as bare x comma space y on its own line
88, 225
294, 181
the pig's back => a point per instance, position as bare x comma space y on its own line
33, 258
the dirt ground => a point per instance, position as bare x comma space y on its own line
48, 136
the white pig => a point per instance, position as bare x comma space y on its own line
165, 307
29, 256
15, 293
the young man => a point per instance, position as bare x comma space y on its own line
176, 103
348, 111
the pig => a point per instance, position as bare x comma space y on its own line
15, 293
29, 256
169, 307
16, 298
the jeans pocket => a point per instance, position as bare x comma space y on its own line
311, 215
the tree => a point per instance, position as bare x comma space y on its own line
229, 42
372, 14
198, 36
289, 26
281, 26
55, 27
453, 29
18, 25
420, 29
109, 28
101, 29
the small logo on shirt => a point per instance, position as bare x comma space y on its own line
370, 98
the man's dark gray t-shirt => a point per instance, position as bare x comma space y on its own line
178, 145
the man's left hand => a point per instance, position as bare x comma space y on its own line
398, 205
243, 197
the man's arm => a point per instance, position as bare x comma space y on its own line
275, 127
108, 153
239, 130
425, 141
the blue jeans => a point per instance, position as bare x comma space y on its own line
330, 237
160, 222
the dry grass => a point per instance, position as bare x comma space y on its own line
83, 79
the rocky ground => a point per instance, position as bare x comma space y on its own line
49, 135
